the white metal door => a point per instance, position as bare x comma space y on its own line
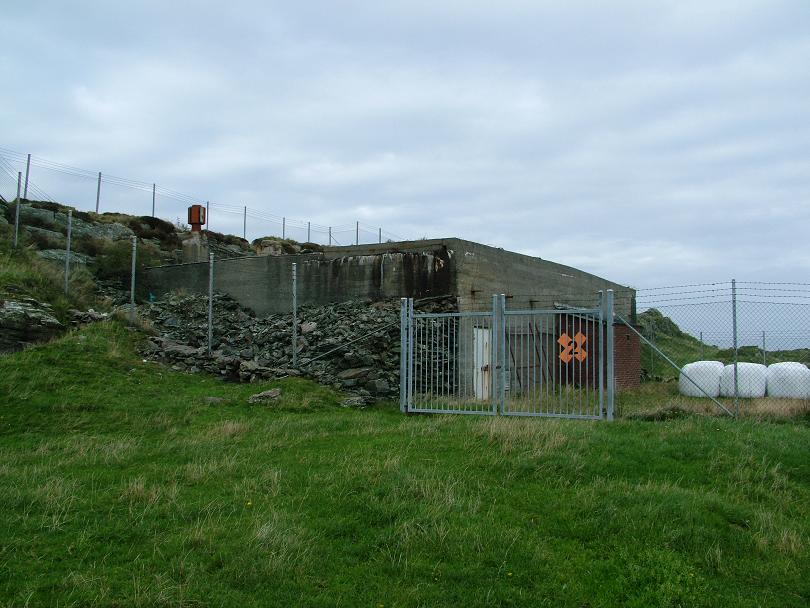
481, 361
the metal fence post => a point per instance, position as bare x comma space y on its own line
357, 233
210, 301
309, 226
207, 216
330, 235
98, 191
379, 235
403, 348
602, 317
409, 388
702, 347
284, 227
132, 279
17, 211
734, 330
504, 361
27, 171
764, 362
493, 354
67, 249
295, 315
244, 222
611, 380
154, 186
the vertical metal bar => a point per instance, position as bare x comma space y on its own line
493, 354
454, 386
434, 367
590, 370
98, 191
764, 362
403, 371
446, 355
132, 279
67, 249
419, 382
284, 227
528, 388
610, 369
444, 359
309, 232
702, 347
427, 357
734, 331
439, 341
558, 388
17, 211
154, 186
27, 172
549, 331
379, 235
295, 315
210, 301
357, 233
533, 360
434, 355
418, 368
569, 376
330, 235
505, 362
576, 368
524, 356
410, 353
207, 216
471, 346
456, 362
244, 222
424, 359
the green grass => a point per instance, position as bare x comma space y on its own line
23, 274
683, 348
661, 400
121, 486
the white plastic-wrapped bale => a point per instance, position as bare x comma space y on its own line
704, 374
752, 380
789, 380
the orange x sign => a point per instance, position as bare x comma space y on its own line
573, 349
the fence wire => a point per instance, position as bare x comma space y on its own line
87, 190
746, 342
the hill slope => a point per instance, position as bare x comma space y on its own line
123, 485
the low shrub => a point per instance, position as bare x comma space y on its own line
115, 262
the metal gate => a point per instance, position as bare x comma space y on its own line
556, 363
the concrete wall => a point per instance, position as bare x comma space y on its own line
264, 283
528, 282
440, 267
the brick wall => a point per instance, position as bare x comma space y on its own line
626, 357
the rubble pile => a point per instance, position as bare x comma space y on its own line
348, 345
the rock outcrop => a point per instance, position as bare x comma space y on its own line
26, 321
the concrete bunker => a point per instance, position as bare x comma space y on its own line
464, 273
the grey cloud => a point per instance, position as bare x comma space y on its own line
649, 142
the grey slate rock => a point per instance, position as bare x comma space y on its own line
24, 322
274, 394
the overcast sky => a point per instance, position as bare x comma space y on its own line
649, 142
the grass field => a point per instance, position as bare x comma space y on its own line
122, 486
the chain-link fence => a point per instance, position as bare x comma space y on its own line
48, 181
738, 347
